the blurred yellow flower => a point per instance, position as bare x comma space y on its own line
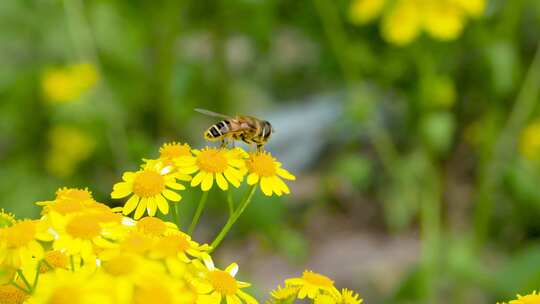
284, 293
6, 219
533, 298
68, 83
402, 23
349, 297
150, 190
403, 20
170, 151
364, 11
10, 294
529, 141
264, 169
68, 146
213, 163
19, 244
311, 284
443, 20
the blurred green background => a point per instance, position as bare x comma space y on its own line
412, 125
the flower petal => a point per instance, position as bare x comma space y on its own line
140, 209
198, 179
247, 298
285, 174
121, 190
252, 179
130, 205
266, 186
207, 182
232, 269
151, 206
222, 182
171, 195
162, 204
175, 186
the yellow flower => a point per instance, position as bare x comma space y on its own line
154, 226
222, 285
170, 151
311, 284
262, 168
67, 287
364, 11
6, 219
10, 294
67, 201
402, 24
69, 83
149, 189
473, 8
213, 163
178, 246
325, 299
68, 146
533, 298
443, 20
529, 141
349, 297
54, 259
19, 244
284, 293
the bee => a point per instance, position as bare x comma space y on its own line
248, 129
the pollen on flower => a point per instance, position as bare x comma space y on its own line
84, 227
317, 279
10, 294
223, 282
174, 150
19, 234
262, 164
151, 225
212, 160
148, 183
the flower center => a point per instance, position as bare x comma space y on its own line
317, 279
67, 206
65, 295
212, 160
74, 194
151, 225
152, 294
223, 282
174, 150
10, 294
171, 245
19, 234
262, 164
84, 227
148, 183
120, 265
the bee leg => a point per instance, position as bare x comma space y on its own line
223, 144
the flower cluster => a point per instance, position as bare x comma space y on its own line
315, 287
532, 298
66, 84
83, 251
403, 20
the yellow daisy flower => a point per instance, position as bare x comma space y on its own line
154, 226
67, 201
19, 243
264, 169
284, 293
213, 163
178, 246
54, 259
149, 189
221, 285
324, 299
311, 284
170, 151
349, 297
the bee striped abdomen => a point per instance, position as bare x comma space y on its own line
218, 130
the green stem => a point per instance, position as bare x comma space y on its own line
230, 202
36, 278
25, 281
19, 287
198, 213
234, 217
176, 214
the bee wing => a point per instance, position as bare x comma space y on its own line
210, 113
